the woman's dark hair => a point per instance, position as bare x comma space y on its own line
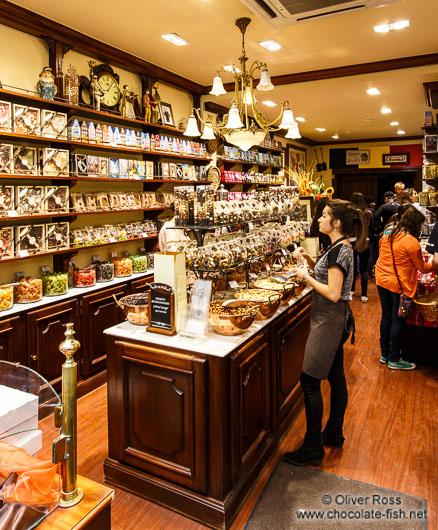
406, 196
353, 221
409, 222
358, 201
394, 219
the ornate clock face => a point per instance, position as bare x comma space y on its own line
111, 91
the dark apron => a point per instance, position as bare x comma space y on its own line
330, 324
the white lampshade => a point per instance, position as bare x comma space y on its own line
234, 121
245, 139
247, 98
208, 133
265, 83
293, 132
192, 127
288, 119
218, 87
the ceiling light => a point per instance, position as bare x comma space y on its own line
384, 28
335, 137
231, 68
269, 103
373, 91
394, 123
271, 45
320, 129
385, 110
300, 118
244, 125
175, 39
400, 131
368, 120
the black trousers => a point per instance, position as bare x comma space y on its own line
313, 400
363, 270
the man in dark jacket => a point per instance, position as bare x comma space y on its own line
386, 210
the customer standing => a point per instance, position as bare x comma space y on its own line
385, 211
396, 272
331, 323
398, 190
358, 201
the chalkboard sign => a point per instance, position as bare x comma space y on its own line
161, 309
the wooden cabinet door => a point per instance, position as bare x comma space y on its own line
139, 286
288, 341
45, 332
13, 345
250, 404
157, 412
99, 312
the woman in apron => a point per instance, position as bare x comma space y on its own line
331, 324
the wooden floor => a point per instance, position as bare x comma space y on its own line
391, 432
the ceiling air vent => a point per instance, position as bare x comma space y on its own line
282, 13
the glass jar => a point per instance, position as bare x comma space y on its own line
104, 271
6, 297
28, 289
139, 263
72, 86
122, 267
84, 277
55, 283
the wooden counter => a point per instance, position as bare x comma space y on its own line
192, 427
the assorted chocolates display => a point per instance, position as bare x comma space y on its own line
93, 235
24, 160
251, 177
101, 201
257, 157
33, 200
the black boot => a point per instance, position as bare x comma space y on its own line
306, 455
332, 439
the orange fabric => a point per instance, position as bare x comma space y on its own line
408, 259
35, 477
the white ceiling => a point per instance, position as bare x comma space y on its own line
339, 105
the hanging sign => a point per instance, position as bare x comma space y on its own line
357, 157
396, 159
161, 309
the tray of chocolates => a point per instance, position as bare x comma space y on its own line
6, 160
6, 200
29, 200
55, 161
56, 199
57, 236
53, 124
5, 116
25, 160
26, 120
29, 239
7, 248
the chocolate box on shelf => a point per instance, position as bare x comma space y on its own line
54, 161
93, 165
57, 236
6, 159
29, 200
114, 168
102, 201
25, 160
7, 248
26, 120
56, 199
53, 124
79, 164
103, 166
7, 203
77, 202
90, 202
30, 239
5, 116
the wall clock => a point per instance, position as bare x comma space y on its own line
109, 83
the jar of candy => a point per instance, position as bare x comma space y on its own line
139, 263
104, 271
6, 297
28, 289
122, 267
84, 277
55, 283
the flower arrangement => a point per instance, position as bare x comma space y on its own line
303, 178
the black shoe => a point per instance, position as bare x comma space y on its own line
332, 440
305, 455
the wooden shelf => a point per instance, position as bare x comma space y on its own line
75, 178
74, 214
253, 183
74, 249
244, 163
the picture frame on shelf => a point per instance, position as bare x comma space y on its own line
166, 114
306, 207
296, 157
431, 143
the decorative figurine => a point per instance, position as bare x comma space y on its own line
96, 92
155, 110
147, 106
126, 105
46, 85
72, 86
157, 99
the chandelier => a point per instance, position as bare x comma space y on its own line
239, 127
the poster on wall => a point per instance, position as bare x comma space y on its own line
397, 159
295, 157
357, 157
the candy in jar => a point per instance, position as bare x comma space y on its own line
84, 277
6, 297
122, 267
28, 289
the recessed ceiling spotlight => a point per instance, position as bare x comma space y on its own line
232, 68
269, 103
175, 39
335, 137
400, 131
271, 45
320, 129
368, 120
394, 123
300, 118
385, 110
384, 28
373, 91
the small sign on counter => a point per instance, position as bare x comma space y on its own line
161, 309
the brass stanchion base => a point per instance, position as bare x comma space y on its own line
71, 499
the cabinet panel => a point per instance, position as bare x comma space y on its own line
139, 286
162, 429
45, 332
99, 312
250, 404
13, 340
288, 344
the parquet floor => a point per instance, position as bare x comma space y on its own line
391, 432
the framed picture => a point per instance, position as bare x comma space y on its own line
296, 157
166, 114
356, 157
306, 207
431, 143
397, 159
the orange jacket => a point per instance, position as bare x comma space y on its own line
408, 259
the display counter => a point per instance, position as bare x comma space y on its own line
192, 426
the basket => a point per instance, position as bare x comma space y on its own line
428, 305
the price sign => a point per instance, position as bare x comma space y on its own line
161, 309
283, 252
253, 276
287, 218
144, 234
251, 225
112, 240
12, 213
268, 268
233, 284
23, 253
